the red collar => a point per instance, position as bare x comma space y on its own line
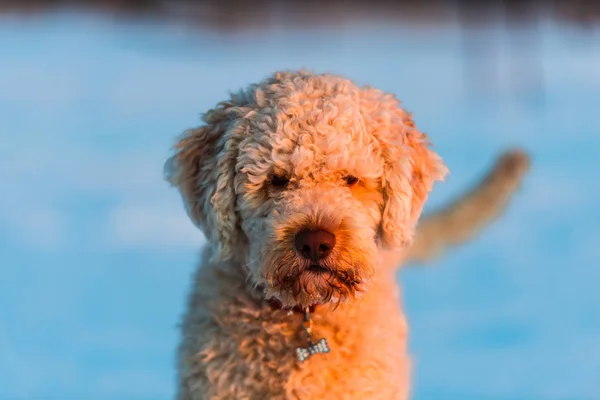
276, 304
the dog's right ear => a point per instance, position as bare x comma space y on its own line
203, 169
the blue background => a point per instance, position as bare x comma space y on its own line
96, 251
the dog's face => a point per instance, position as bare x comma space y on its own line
304, 178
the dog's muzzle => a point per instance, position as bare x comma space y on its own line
314, 245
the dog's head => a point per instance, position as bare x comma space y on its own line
304, 178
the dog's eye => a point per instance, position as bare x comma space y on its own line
350, 180
279, 182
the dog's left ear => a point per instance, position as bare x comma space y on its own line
411, 167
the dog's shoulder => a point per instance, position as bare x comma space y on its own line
234, 345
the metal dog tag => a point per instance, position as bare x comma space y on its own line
321, 346
304, 353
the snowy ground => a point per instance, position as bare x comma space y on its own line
96, 250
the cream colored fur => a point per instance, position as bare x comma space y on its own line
314, 130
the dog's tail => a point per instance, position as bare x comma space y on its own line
467, 216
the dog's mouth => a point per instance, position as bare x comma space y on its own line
316, 283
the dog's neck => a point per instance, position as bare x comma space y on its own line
276, 305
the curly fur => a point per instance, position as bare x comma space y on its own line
314, 130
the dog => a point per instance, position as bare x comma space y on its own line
308, 189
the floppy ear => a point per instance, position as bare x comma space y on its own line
203, 169
411, 167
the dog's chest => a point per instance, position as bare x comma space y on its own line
236, 350
367, 359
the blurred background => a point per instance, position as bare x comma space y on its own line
96, 251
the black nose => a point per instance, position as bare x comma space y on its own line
315, 245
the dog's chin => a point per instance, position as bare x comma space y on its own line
315, 286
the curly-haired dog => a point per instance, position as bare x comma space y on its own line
308, 189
